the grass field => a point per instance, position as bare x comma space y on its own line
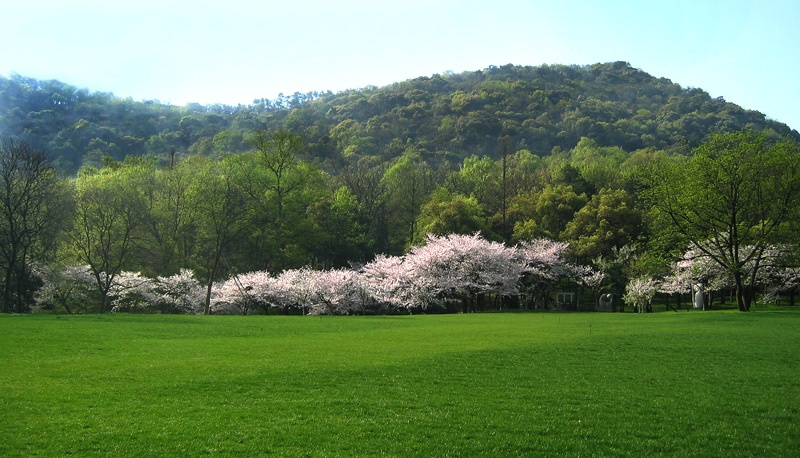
507, 384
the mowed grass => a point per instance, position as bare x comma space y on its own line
508, 384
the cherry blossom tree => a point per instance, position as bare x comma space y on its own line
391, 280
591, 278
227, 299
132, 291
695, 268
245, 294
639, 293
70, 287
544, 265
461, 267
294, 288
339, 292
779, 274
781, 280
679, 282
180, 293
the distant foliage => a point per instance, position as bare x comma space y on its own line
542, 107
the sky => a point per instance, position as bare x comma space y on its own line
236, 51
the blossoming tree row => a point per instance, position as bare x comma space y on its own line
451, 272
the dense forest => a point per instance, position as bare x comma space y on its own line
444, 118
327, 180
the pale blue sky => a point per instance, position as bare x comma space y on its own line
235, 51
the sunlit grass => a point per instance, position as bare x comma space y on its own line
523, 384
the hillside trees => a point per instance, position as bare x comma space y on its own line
737, 194
364, 179
282, 189
452, 116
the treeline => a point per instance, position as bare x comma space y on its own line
268, 210
333, 180
444, 118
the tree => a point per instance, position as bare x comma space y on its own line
364, 180
544, 266
294, 288
245, 293
132, 292
464, 267
110, 206
408, 182
339, 292
478, 177
279, 189
278, 153
450, 213
545, 213
69, 287
342, 238
737, 190
614, 268
171, 220
393, 281
639, 294
180, 293
34, 209
610, 219
222, 215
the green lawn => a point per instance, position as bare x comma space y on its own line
717, 383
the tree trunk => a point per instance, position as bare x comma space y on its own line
741, 293
741, 299
7, 285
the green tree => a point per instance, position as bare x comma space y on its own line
278, 153
171, 220
732, 199
610, 219
409, 182
545, 213
342, 238
279, 188
222, 211
451, 213
34, 208
478, 177
364, 179
110, 209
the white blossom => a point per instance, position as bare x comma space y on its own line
639, 292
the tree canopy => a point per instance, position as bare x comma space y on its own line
732, 200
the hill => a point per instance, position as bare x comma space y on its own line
444, 118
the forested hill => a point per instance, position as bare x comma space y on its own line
443, 118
